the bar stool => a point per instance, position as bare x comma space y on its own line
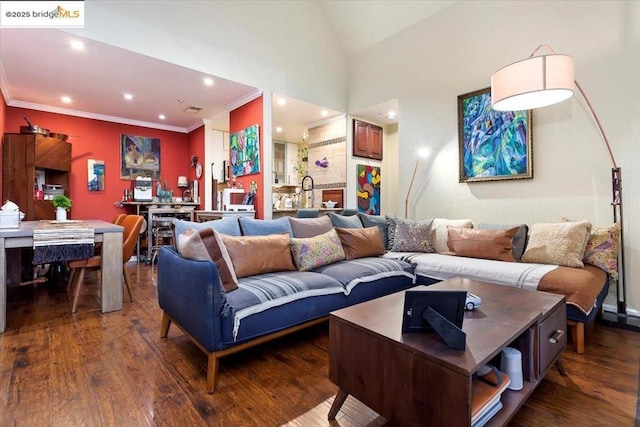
162, 233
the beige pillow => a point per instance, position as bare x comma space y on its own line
253, 255
206, 245
361, 242
558, 243
479, 243
310, 227
439, 235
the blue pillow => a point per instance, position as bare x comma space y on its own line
228, 226
377, 221
264, 227
345, 221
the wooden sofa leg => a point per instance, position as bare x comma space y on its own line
164, 328
212, 371
577, 335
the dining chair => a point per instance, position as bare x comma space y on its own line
132, 225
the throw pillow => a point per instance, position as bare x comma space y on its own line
264, 227
345, 221
360, 242
206, 245
519, 239
486, 244
391, 231
439, 233
310, 227
377, 221
317, 251
558, 243
413, 235
227, 226
602, 249
253, 255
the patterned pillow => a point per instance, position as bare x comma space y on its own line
206, 245
317, 251
560, 243
602, 249
391, 231
413, 236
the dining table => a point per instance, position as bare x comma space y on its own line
108, 234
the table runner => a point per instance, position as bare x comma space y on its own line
55, 241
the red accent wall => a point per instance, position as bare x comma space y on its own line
239, 119
100, 140
196, 148
3, 121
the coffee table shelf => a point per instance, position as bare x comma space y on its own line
415, 379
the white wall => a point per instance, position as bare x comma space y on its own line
284, 47
455, 51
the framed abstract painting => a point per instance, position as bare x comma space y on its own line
368, 189
493, 145
139, 157
245, 151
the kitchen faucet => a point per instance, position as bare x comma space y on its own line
306, 189
275, 181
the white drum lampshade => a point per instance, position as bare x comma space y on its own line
532, 83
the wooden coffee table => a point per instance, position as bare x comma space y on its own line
415, 379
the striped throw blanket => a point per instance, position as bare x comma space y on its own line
55, 241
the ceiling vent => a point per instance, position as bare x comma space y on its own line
193, 109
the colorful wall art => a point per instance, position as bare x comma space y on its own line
245, 151
494, 145
95, 171
368, 189
139, 157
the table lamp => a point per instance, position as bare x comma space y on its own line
547, 79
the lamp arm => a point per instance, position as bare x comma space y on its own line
595, 118
406, 201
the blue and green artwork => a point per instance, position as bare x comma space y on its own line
245, 151
494, 145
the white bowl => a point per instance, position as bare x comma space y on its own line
330, 204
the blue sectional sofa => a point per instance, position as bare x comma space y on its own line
264, 306
270, 304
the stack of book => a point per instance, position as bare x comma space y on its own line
485, 402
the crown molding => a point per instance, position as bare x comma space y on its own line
244, 100
4, 85
94, 116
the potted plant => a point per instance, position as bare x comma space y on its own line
62, 204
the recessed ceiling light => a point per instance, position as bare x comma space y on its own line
128, 96
66, 99
77, 44
278, 129
208, 81
161, 116
324, 113
391, 115
282, 101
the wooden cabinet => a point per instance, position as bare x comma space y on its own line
23, 156
367, 140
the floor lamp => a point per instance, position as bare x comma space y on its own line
422, 153
547, 79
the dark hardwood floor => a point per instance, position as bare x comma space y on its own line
92, 369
